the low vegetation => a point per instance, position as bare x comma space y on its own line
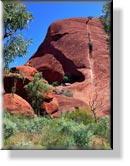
75, 130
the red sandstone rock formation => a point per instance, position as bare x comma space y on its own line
17, 105
52, 106
26, 71
65, 51
15, 79
19, 76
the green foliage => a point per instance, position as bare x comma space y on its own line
36, 90
9, 127
103, 128
65, 79
56, 83
15, 46
105, 18
66, 132
23, 124
15, 18
106, 24
32, 125
106, 9
80, 116
67, 93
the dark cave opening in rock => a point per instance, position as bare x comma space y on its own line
68, 79
73, 78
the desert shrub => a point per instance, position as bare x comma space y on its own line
9, 127
67, 93
65, 134
13, 123
98, 142
35, 90
19, 139
56, 83
33, 125
103, 128
80, 116
82, 136
75, 130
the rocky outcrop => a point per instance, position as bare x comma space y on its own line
17, 105
65, 51
18, 78
15, 80
26, 71
69, 103
51, 107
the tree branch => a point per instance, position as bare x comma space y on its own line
9, 34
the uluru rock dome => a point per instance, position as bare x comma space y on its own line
65, 51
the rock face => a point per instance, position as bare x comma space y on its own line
65, 51
17, 105
69, 103
52, 106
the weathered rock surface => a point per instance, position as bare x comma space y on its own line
65, 51
19, 77
17, 105
15, 80
48, 96
69, 103
26, 71
52, 106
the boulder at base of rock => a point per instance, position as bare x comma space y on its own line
15, 80
52, 106
17, 105
19, 77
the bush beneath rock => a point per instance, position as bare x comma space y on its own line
35, 91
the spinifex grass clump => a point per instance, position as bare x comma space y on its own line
36, 90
